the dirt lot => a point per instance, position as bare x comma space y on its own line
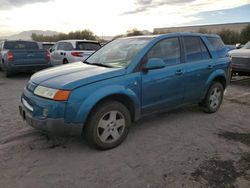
181, 148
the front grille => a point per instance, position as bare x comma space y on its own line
31, 86
241, 61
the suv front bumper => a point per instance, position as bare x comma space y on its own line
48, 125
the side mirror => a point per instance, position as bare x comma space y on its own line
154, 63
50, 50
238, 45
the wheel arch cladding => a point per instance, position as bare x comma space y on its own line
221, 80
122, 98
121, 94
219, 76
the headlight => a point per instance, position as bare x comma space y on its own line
50, 93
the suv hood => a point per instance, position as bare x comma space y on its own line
74, 75
240, 53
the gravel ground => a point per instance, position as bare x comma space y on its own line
181, 148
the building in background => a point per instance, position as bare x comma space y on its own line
216, 28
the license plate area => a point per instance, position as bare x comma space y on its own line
22, 113
26, 116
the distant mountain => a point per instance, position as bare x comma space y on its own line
26, 35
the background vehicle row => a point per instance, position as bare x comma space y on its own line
18, 56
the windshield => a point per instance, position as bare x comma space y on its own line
118, 53
247, 45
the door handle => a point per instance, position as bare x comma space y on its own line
179, 72
209, 66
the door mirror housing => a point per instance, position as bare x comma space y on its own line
238, 46
154, 63
50, 50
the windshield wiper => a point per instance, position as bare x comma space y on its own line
86, 62
98, 64
101, 65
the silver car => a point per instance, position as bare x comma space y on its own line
241, 60
69, 51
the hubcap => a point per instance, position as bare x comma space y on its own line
111, 126
215, 97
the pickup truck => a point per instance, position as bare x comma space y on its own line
241, 60
22, 56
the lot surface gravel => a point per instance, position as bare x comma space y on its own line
180, 148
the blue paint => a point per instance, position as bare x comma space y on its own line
149, 89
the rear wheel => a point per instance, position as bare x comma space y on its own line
65, 61
108, 125
7, 72
213, 98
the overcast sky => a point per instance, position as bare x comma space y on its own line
112, 17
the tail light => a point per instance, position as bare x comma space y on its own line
77, 54
10, 56
48, 56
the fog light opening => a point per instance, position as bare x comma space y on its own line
45, 112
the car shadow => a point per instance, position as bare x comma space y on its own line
17, 75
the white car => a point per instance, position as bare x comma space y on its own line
69, 51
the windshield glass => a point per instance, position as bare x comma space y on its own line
118, 53
247, 45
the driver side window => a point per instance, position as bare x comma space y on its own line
168, 50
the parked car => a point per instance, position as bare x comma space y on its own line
69, 51
239, 45
241, 60
125, 80
22, 56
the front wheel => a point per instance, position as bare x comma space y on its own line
213, 98
108, 125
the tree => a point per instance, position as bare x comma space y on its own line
229, 36
134, 32
245, 34
84, 34
118, 36
203, 30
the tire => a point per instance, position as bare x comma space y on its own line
214, 98
65, 61
8, 73
1, 65
107, 125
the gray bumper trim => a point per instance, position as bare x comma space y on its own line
48, 125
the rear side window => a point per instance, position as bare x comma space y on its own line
168, 50
195, 49
66, 46
20, 45
88, 46
218, 46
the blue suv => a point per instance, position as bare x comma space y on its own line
125, 80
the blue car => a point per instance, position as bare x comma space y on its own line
125, 80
